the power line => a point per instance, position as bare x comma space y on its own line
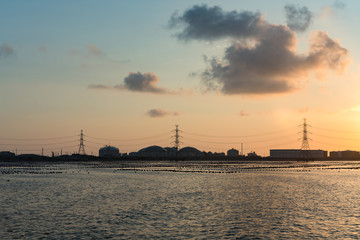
348, 139
89, 146
130, 139
239, 136
62, 147
268, 138
333, 130
337, 145
247, 142
47, 149
132, 144
36, 139
35, 144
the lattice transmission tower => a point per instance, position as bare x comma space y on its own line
81, 145
176, 137
305, 147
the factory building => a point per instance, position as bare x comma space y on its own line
109, 151
7, 155
297, 154
345, 155
252, 154
233, 152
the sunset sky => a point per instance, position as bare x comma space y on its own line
226, 72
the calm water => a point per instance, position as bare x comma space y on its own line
87, 202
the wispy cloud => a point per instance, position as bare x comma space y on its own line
42, 49
6, 50
95, 51
266, 112
353, 109
303, 110
262, 58
142, 83
298, 18
329, 11
244, 113
339, 4
99, 86
156, 113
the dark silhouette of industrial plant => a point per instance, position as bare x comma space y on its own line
176, 152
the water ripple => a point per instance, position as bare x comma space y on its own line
90, 202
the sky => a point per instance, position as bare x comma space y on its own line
227, 72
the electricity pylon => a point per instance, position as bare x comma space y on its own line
305, 147
176, 137
81, 145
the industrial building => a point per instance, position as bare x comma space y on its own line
7, 155
345, 155
297, 154
233, 152
252, 154
109, 151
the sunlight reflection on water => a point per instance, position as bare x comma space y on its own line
86, 202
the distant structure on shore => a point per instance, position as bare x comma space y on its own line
233, 152
109, 151
297, 154
344, 154
191, 153
7, 155
157, 151
187, 153
164, 152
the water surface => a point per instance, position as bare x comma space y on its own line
67, 201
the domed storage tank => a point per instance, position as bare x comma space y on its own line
190, 152
109, 151
153, 151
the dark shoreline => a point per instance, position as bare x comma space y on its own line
209, 166
220, 159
